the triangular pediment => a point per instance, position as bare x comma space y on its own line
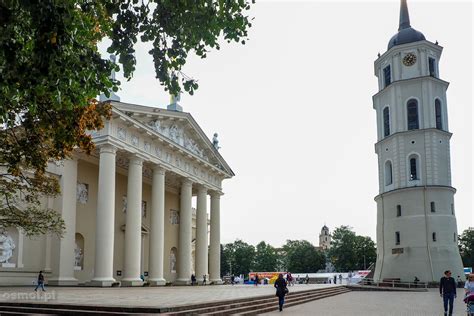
179, 128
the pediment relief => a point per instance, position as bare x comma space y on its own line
177, 133
177, 128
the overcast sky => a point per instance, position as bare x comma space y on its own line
293, 109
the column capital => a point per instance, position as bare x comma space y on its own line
135, 160
202, 188
186, 182
107, 148
158, 169
216, 194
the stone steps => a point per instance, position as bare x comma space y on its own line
242, 306
255, 305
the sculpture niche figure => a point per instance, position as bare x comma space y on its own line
6, 246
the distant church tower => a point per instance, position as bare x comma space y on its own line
324, 238
416, 222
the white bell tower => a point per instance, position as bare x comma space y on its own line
416, 222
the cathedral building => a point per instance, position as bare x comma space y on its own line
416, 216
128, 207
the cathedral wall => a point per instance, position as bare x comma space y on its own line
87, 174
171, 235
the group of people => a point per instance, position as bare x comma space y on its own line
194, 281
447, 290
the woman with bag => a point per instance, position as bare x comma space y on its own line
282, 290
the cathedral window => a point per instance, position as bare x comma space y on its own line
387, 76
397, 238
434, 236
399, 210
433, 207
413, 168
439, 121
388, 173
412, 114
432, 66
386, 121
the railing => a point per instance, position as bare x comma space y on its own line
394, 283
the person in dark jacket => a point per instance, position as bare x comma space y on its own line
256, 279
40, 282
280, 285
447, 290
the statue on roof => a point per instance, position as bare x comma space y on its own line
215, 141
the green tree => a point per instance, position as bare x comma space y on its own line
266, 258
239, 257
302, 256
351, 252
51, 72
466, 247
225, 261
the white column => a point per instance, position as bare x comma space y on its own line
63, 248
157, 228
133, 224
185, 234
105, 219
201, 234
215, 240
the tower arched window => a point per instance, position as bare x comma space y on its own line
386, 121
438, 114
388, 173
412, 114
413, 165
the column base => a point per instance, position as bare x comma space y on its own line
216, 282
132, 282
182, 282
63, 282
103, 283
157, 282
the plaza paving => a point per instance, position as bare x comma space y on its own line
353, 303
145, 296
376, 304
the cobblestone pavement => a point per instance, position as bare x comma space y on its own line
377, 304
143, 296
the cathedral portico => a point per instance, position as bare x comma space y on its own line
128, 206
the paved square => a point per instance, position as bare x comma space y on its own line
147, 296
378, 303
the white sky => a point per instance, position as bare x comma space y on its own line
293, 109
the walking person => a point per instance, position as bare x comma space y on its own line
306, 280
469, 288
193, 279
256, 279
204, 280
281, 290
340, 278
447, 290
40, 281
232, 279
335, 279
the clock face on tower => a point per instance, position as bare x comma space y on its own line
409, 59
